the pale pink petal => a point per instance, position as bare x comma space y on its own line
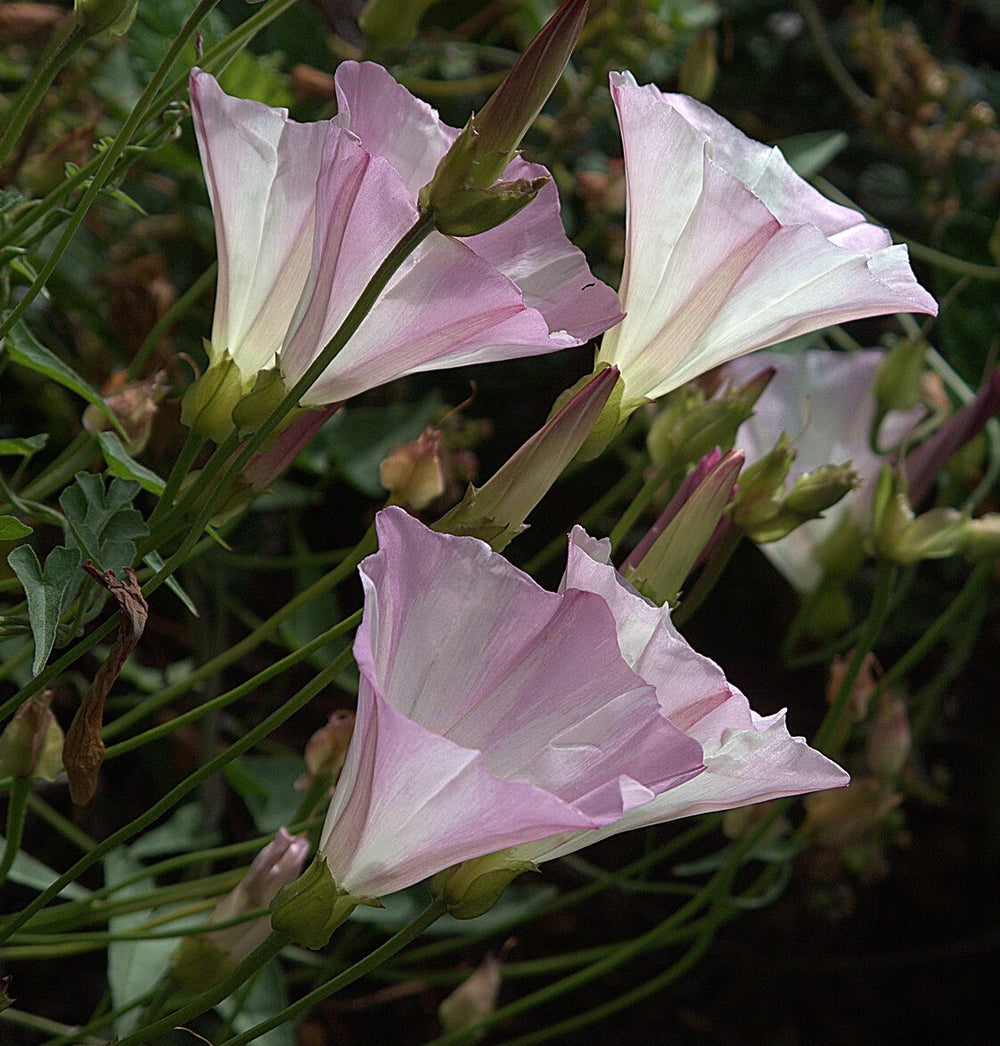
261, 170
824, 402
728, 250
491, 713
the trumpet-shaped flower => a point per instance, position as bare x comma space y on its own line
306, 213
824, 402
491, 712
728, 250
748, 758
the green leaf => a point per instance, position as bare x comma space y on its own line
29, 871
808, 154
266, 783
48, 592
155, 560
103, 524
24, 348
24, 446
11, 528
121, 464
181, 833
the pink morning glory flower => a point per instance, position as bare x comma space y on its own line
306, 212
490, 713
748, 758
728, 250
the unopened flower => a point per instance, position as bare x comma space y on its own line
490, 712
32, 742
306, 213
206, 958
728, 250
326, 750
474, 999
134, 404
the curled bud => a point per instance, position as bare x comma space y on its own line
414, 473
326, 750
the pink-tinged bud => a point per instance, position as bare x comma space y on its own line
925, 462
851, 816
134, 404
659, 566
474, 999
464, 196
326, 750
889, 739
414, 473
204, 959
861, 690
496, 511
32, 742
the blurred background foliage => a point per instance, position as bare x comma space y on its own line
890, 106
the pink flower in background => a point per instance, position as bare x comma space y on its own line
728, 250
824, 402
490, 713
748, 758
305, 214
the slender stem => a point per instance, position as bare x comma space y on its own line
375, 959
178, 792
642, 499
16, 807
709, 576
834, 66
833, 731
59, 53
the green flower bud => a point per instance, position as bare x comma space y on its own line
312, 907
392, 23
473, 887
813, 493
105, 17
898, 379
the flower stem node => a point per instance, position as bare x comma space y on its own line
471, 888
105, 17
312, 907
460, 211
905, 538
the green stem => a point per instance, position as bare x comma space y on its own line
178, 792
831, 60
59, 53
833, 731
16, 806
708, 578
110, 157
395, 944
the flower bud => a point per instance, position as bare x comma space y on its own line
658, 569
312, 907
204, 959
414, 473
473, 887
105, 17
462, 198
700, 66
898, 378
474, 999
207, 406
689, 426
31, 743
135, 405
326, 750
813, 493
496, 511
904, 538
392, 23
888, 745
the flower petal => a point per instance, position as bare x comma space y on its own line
261, 170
